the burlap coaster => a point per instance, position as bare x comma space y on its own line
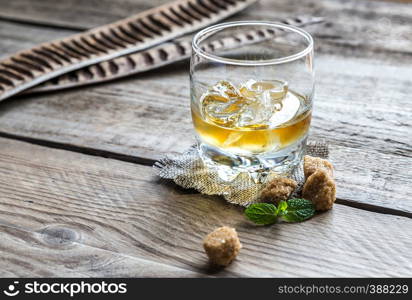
188, 171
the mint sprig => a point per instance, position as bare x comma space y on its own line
293, 210
282, 208
298, 210
262, 213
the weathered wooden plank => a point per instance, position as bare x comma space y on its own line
107, 42
356, 28
124, 66
87, 208
361, 75
16, 37
77, 14
54, 252
379, 24
127, 118
85, 14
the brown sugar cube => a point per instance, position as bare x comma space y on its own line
312, 164
278, 189
320, 188
222, 245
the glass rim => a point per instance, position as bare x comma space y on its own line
274, 61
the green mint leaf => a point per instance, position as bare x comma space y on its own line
261, 213
282, 208
298, 210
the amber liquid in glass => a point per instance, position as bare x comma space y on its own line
255, 118
249, 140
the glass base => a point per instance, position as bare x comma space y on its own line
228, 166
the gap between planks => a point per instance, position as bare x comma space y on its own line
41, 24
57, 197
150, 162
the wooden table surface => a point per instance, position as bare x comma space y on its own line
78, 196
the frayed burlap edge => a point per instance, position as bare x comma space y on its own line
188, 171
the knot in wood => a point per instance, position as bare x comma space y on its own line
59, 236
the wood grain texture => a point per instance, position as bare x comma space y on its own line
68, 214
65, 213
352, 23
368, 26
367, 77
369, 144
80, 15
76, 14
156, 57
16, 37
361, 103
50, 253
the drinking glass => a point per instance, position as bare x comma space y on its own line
252, 86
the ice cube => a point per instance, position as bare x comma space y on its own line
265, 99
261, 86
289, 108
211, 97
274, 102
278, 87
222, 112
254, 115
247, 91
278, 90
253, 105
226, 89
222, 104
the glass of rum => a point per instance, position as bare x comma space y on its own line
252, 86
